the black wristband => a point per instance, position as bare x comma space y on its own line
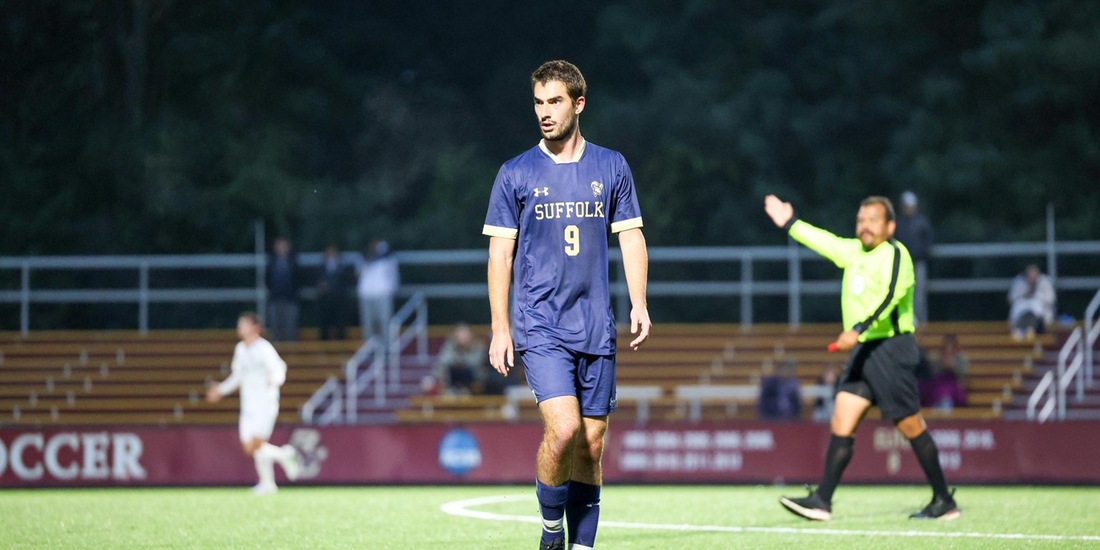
790, 222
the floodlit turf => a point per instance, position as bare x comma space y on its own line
633, 517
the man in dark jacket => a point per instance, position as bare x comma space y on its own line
915, 232
332, 294
282, 288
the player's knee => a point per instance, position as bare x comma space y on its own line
590, 451
562, 433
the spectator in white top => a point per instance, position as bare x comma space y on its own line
258, 371
1031, 301
379, 279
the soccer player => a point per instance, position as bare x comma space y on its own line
549, 218
877, 308
258, 371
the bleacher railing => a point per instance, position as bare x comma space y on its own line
746, 285
328, 399
374, 369
1074, 368
1050, 396
408, 326
1091, 334
358, 380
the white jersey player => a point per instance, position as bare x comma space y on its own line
258, 372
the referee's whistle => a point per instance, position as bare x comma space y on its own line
833, 347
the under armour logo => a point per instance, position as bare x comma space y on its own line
545, 191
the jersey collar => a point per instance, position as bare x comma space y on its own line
576, 156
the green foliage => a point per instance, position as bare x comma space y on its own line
168, 126
632, 517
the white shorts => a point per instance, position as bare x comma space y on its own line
258, 422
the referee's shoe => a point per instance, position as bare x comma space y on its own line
811, 507
943, 508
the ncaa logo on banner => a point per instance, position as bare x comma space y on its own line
311, 454
459, 452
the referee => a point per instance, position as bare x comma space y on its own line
877, 306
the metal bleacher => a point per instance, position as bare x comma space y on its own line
685, 372
156, 378
712, 372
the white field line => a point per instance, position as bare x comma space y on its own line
462, 508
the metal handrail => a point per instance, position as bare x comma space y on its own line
1092, 333
330, 393
357, 382
1045, 388
1068, 370
377, 356
401, 336
746, 285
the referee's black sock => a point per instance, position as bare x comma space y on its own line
929, 457
836, 460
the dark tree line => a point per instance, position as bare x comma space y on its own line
168, 126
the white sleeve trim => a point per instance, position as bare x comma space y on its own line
620, 226
497, 231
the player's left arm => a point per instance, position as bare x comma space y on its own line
636, 266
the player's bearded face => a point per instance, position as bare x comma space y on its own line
560, 129
556, 111
872, 227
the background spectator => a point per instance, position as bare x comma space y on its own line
953, 356
463, 361
915, 232
282, 288
379, 279
945, 387
333, 282
780, 396
1031, 301
823, 406
946, 390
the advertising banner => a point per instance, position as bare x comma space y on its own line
971, 452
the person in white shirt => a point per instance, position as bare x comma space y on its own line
258, 371
1031, 301
379, 279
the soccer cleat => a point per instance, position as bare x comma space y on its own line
291, 466
556, 544
810, 507
940, 508
264, 489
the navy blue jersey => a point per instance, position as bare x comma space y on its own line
562, 214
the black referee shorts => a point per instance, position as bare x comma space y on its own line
884, 372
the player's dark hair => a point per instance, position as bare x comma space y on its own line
564, 72
885, 202
251, 316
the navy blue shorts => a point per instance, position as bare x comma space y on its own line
554, 371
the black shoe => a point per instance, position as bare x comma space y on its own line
811, 507
556, 544
943, 508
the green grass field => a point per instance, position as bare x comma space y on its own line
632, 517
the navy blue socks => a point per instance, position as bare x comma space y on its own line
582, 513
552, 501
